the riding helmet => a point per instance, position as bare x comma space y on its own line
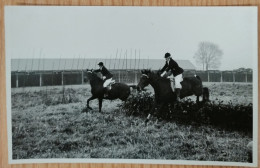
167, 55
100, 63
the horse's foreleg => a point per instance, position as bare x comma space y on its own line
91, 98
151, 112
100, 104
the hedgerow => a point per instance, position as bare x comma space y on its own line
229, 116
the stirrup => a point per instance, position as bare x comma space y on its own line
109, 87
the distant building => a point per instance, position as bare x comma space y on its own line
50, 72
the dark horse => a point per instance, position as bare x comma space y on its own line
163, 91
118, 90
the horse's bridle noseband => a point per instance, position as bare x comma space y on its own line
89, 70
145, 75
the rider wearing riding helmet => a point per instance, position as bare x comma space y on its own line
170, 69
107, 76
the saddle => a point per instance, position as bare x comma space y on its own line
109, 86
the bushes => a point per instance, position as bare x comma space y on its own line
229, 116
138, 104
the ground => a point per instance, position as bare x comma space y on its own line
49, 124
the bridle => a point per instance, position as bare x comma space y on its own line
145, 76
90, 70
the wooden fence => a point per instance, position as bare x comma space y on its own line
47, 78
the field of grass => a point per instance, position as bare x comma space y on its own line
46, 124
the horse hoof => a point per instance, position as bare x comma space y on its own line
89, 108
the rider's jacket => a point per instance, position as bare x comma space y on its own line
173, 67
104, 72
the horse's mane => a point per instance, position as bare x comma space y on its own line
155, 74
149, 71
94, 77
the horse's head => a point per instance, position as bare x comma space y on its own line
144, 80
92, 76
89, 73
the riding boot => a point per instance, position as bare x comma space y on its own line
105, 92
178, 92
172, 84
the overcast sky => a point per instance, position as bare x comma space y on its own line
98, 32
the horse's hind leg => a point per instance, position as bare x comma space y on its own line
100, 104
91, 98
198, 99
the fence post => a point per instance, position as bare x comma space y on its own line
208, 77
17, 80
119, 76
246, 77
221, 77
40, 79
234, 78
135, 78
82, 77
62, 73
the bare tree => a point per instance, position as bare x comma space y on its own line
208, 55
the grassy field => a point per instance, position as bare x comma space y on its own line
44, 127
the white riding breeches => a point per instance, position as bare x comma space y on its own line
107, 82
178, 79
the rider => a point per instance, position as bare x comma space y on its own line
170, 69
107, 76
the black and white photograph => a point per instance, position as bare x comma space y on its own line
156, 85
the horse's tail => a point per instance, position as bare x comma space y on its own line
196, 76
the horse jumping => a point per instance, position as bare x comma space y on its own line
118, 90
163, 91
